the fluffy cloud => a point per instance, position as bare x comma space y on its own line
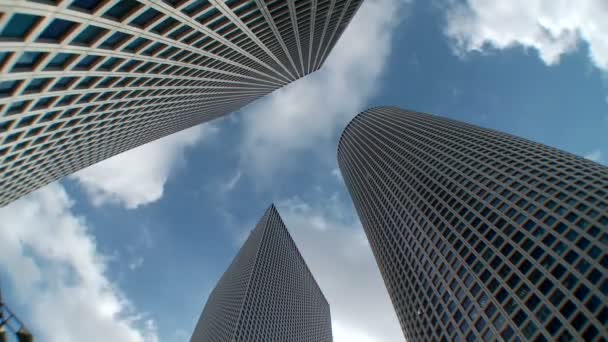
335, 248
551, 27
52, 260
311, 111
138, 176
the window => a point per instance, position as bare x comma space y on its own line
28, 61
60, 61
17, 107
19, 26
144, 19
136, 44
122, 9
36, 85
26, 121
590, 333
56, 30
579, 321
529, 330
164, 26
110, 64
48, 116
115, 40
87, 62
63, 83
4, 126
43, 103
8, 87
87, 5
568, 309
12, 137
195, 6
89, 35
87, 82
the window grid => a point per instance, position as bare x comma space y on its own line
267, 293
75, 73
479, 233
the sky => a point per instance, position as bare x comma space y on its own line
129, 249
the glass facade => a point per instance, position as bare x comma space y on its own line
480, 234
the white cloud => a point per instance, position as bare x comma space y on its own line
336, 173
231, 183
136, 263
348, 333
310, 111
138, 176
595, 155
59, 275
341, 260
551, 27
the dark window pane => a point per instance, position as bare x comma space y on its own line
60, 61
87, 62
57, 30
579, 321
27, 61
88, 5
145, 18
164, 26
19, 26
195, 6
89, 35
37, 84
116, 39
122, 9
110, 63
8, 87
136, 44
63, 83
554, 326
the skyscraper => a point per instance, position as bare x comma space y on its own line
83, 80
267, 293
478, 233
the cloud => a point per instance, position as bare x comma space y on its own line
231, 183
335, 248
136, 263
347, 333
310, 111
138, 176
551, 27
59, 275
595, 155
336, 173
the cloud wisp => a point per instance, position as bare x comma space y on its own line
551, 27
595, 155
335, 248
138, 176
59, 275
309, 112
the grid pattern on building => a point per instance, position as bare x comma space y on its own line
477, 233
82, 80
267, 293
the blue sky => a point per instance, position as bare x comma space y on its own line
129, 249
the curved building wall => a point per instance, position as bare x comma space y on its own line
477, 233
83, 80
